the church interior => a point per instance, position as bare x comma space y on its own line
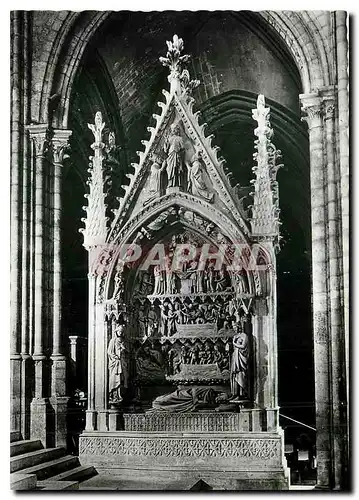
164, 132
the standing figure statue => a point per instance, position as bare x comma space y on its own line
210, 277
239, 364
221, 282
154, 184
142, 322
196, 182
118, 286
174, 148
152, 322
239, 282
169, 320
159, 287
117, 366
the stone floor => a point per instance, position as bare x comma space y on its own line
107, 482
101, 482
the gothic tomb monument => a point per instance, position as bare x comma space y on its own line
182, 303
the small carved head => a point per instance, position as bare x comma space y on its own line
119, 329
175, 130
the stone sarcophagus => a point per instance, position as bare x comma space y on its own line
182, 304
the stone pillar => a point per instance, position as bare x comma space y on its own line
337, 337
343, 127
39, 136
312, 106
272, 407
101, 369
328, 321
59, 397
15, 228
91, 413
26, 365
78, 362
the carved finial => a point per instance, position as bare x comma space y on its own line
179, 78
97, 128
261, 115
95, 230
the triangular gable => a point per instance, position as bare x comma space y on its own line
177, 128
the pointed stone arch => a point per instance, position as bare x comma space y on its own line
78, 28
209, 215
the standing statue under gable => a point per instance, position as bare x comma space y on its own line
174, 147
196, 182
155, 176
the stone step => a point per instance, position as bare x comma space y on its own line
80, 473
20, 481
33, 458
52, 468
15, 436
25, 446
57, 485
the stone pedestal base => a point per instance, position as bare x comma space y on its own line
59, 406
15, 394
226, 460
27, 377
39, 420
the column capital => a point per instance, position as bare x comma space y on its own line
319, 104
329, 99
311, 107
40, 137
73, 339
60, 145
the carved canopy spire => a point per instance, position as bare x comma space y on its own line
178, 78
178, 157
265, 208
95, 230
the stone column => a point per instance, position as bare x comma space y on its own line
101, 369
327, 271
27, 367
15, 228
91, 413
337, 337
59, 397
39, 136
271, 320
312, 106
343, 126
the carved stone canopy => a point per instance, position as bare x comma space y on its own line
187, 321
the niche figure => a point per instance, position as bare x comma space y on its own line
239, 364
117, 366
118, 284
154, 183
152, 322
196, 182
159, 287
174, 148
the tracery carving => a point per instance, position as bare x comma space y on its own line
241, 448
